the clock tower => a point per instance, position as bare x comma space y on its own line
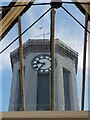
37, 77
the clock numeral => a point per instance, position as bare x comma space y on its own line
41, 70
37, 59
35, 62
46, 70
49, 69
37, 69
34, 65
47, 57
41, 57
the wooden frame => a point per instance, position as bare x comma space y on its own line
12, 15
44, 115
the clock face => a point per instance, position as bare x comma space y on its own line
42, 63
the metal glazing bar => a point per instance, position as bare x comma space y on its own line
25, 30
84, 62
65, 2
75, 19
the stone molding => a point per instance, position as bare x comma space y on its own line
40, 45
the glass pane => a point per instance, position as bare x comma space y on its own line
68, 54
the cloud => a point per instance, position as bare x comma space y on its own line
5, 58
27, 19
30, 16
76, 44
62, 31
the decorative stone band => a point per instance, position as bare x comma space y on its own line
40, 45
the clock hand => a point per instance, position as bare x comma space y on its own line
40, 62
41, 65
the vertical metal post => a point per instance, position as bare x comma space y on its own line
21, 62
84, 61
52, 58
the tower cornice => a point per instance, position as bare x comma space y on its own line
40, 45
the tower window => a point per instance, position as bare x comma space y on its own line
18, 92
43, 92
19, 100
66, 80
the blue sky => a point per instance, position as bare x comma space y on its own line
66, 29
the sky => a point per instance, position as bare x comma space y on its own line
66, 29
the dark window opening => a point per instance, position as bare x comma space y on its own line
19, 101
43, 92
19, 93
66, 80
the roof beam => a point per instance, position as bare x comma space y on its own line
54, 115
83, 7
10, 18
